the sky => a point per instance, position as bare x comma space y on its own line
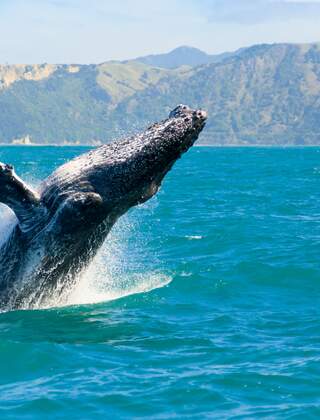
93, 31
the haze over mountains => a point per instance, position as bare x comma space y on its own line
263, 95
182, 56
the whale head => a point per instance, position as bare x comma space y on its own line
114, 177
134, 168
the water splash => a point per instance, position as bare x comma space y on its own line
88, 291
122, 267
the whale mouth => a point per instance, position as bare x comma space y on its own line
150, 191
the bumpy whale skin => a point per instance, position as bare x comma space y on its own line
61, 227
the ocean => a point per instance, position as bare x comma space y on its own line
203, 303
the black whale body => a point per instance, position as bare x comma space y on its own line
61, 227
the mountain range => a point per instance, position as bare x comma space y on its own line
261, 95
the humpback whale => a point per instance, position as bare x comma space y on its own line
61, 225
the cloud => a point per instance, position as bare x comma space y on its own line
250, 12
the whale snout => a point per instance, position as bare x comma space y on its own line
199, 119
198, 116
201, 115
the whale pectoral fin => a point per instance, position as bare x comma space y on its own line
78, 211
17, 195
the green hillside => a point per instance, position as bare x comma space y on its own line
270, 94
266, 94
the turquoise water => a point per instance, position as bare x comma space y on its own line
227, 321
